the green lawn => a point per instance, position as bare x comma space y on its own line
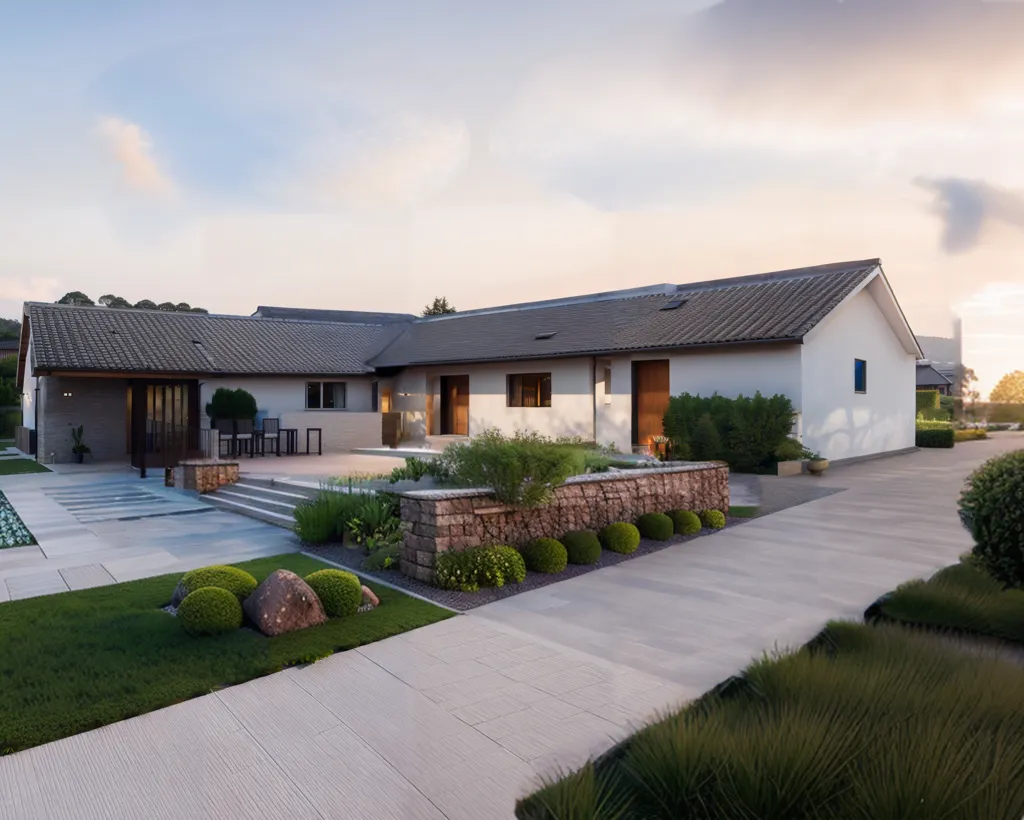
961, 598
80, 660
744, 512
872, 723
17, 466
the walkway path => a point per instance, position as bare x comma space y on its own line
103, 527
457, 719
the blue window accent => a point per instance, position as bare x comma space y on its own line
860, 376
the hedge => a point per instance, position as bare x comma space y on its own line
943, 437
927, 400
970, 435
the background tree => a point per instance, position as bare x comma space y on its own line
75, 297
1010, 389
963, 383
10, 329
145, 304
439, 307
111, 301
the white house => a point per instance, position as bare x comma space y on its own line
832, 338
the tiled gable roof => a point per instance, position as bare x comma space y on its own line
763, 308
146, 341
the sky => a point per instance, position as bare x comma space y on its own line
376, 155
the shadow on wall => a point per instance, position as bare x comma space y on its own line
850, 433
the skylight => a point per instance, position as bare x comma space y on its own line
548, 334
675, 303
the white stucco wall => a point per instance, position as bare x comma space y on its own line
28, 392
278, 395
572, 404
837, 421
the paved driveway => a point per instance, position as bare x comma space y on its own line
457, 719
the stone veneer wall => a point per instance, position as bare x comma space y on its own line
440, 520
208, 475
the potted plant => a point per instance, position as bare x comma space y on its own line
816, 465
79, 448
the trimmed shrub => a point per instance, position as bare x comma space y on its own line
384, 558
236, 581
656, 526
927, 400
621, 537
545, 555
992, 509
509, 562
468, 570
231, 404
210, 611
970, 435
750, 429
582, 546
713, 519
340, 592
685, 522
943, 437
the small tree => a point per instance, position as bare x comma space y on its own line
439, 307
1010, 389
75, 297
231, 405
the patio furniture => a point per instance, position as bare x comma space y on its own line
319, 440
271, 434
226, 433
290, 437
244, 429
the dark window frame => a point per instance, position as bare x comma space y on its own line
320, 395
520, 385
860, 376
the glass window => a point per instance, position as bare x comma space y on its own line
529, 390
860, 376
325, 395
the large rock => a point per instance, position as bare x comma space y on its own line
370, 600
284, 603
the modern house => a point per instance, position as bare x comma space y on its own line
928, 378
832, 338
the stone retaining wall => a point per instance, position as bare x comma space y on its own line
208, 476
440, 520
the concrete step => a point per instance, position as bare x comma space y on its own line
278, 517
264, 499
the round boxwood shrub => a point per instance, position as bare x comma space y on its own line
236, 581
340, 592
210, 611
992, 509
656, 526
582, 546
545, 555
685, 522
621, 537
712, 519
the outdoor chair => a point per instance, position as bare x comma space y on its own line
243, 433
271, 434
225, 432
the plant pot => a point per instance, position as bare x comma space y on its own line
80, 457
817, 466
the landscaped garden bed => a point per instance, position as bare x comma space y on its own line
78, 660
13, 532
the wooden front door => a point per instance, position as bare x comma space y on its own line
650, 400
455, 405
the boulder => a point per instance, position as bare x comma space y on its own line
369, 599
284, 603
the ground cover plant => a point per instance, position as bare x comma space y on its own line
866, 723
13, 532
961, 598
79, 660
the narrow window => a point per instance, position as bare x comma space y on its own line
529, 390
860, 376
313, 395
607, 381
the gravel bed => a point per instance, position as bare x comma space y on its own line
463, 601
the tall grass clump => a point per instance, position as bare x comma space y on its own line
869, 723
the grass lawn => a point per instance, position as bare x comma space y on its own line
80, 660
744, 512
870, 723
960, 598
17, 466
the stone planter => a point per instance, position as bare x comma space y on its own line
207, 476
786, 468
816, 466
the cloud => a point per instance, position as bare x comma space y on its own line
968, 206
395, 162
132, 149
